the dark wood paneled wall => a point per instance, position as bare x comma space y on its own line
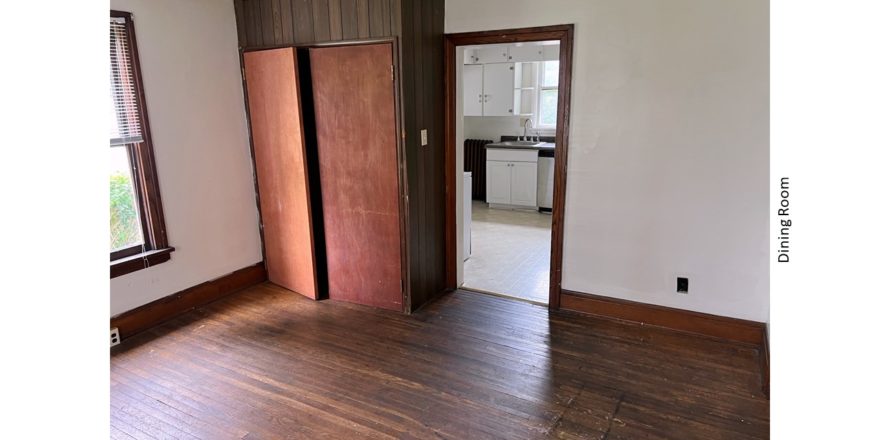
418, 26
422, 78
264, 23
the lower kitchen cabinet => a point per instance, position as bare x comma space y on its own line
524, 184
512, 178
498, 180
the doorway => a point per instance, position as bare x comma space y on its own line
507, 116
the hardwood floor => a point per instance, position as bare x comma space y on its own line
266, 363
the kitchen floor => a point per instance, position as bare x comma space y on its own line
510, 253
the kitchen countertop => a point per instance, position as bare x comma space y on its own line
544, 146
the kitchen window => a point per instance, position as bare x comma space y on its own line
137, 227
548, 93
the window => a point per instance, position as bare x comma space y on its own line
137, 228
548, 92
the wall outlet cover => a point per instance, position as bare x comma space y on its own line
114, 337
681, 285
424, 137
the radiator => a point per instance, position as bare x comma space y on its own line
475, 162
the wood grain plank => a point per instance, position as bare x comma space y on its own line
386, 18
349, 19
287, 23
375, 12
395, 17
363, 18
280, 161
277, 25
303, 24
252, 18
357, 151
241, 23
267, 22
321, 14
334, 13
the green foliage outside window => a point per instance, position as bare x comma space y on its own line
125, 229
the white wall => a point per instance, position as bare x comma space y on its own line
669, 146
189, 56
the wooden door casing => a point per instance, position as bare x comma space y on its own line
353, 89
274, 106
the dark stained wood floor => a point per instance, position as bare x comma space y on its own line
268, 364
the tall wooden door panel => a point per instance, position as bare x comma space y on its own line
354, 106
279, 153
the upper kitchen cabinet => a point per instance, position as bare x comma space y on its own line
550, 52
498, 89
471, 56
524, 53
506, 53
488, 89
472, 93
495, 53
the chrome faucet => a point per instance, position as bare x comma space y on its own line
526, 125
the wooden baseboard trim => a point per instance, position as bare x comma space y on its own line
765, 373
704, 324
149, 315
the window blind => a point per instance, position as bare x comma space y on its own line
125, 121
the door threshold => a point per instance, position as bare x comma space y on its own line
503, 295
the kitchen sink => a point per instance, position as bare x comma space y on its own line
521, 143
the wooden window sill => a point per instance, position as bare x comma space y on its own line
140, 261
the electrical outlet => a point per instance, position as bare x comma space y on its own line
424, 137
681, 285
114, 336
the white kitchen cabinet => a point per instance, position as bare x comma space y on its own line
512, 178
524, 184
526, 53
472, 89
498, 182
498, 89
551, 52
496, 53
470, 56
487, 89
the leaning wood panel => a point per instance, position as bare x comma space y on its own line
279, 156
357, 155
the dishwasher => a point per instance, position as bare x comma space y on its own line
546, 167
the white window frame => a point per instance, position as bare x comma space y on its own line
539, 88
